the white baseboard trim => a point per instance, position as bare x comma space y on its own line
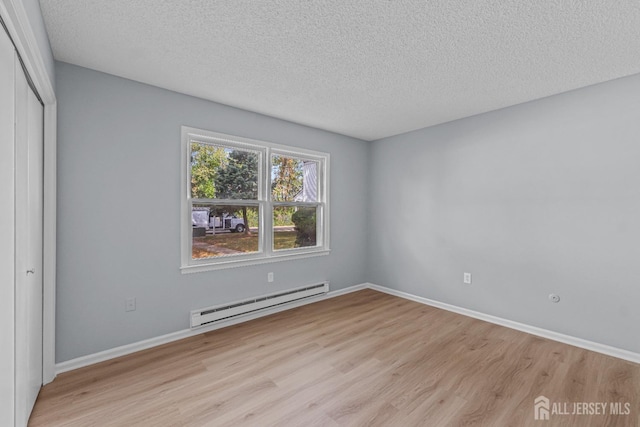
124, 350
90, 359
544, 333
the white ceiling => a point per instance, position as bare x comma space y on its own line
364, 68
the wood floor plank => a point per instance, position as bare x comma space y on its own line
362, 359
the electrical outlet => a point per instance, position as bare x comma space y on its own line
130, 304
467, 278
270, 277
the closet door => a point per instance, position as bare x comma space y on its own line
29, 216
7, 231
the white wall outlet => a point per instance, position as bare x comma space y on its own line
554, 298
467, 278
270, 277
130, 304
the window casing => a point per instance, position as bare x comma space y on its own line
282, 200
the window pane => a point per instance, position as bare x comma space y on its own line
219, 172
293, 180
294, 227
224, 230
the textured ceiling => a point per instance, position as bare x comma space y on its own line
368, 68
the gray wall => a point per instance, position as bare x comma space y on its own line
32, 7
538, 198
119, 211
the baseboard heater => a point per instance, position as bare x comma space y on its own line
207, 316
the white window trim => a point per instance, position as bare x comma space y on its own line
266, 254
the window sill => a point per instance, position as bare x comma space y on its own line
230, 263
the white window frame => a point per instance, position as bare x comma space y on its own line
265, 253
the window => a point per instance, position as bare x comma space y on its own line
248, 202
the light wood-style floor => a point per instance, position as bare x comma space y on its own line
362, 359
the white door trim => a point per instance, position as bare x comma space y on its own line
17, 22
49, 245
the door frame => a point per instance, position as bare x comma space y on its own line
17, 22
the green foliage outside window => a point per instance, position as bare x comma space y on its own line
219, 173
305, 221
205, 161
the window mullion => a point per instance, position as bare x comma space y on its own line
267, 235
229, 202
293, 204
